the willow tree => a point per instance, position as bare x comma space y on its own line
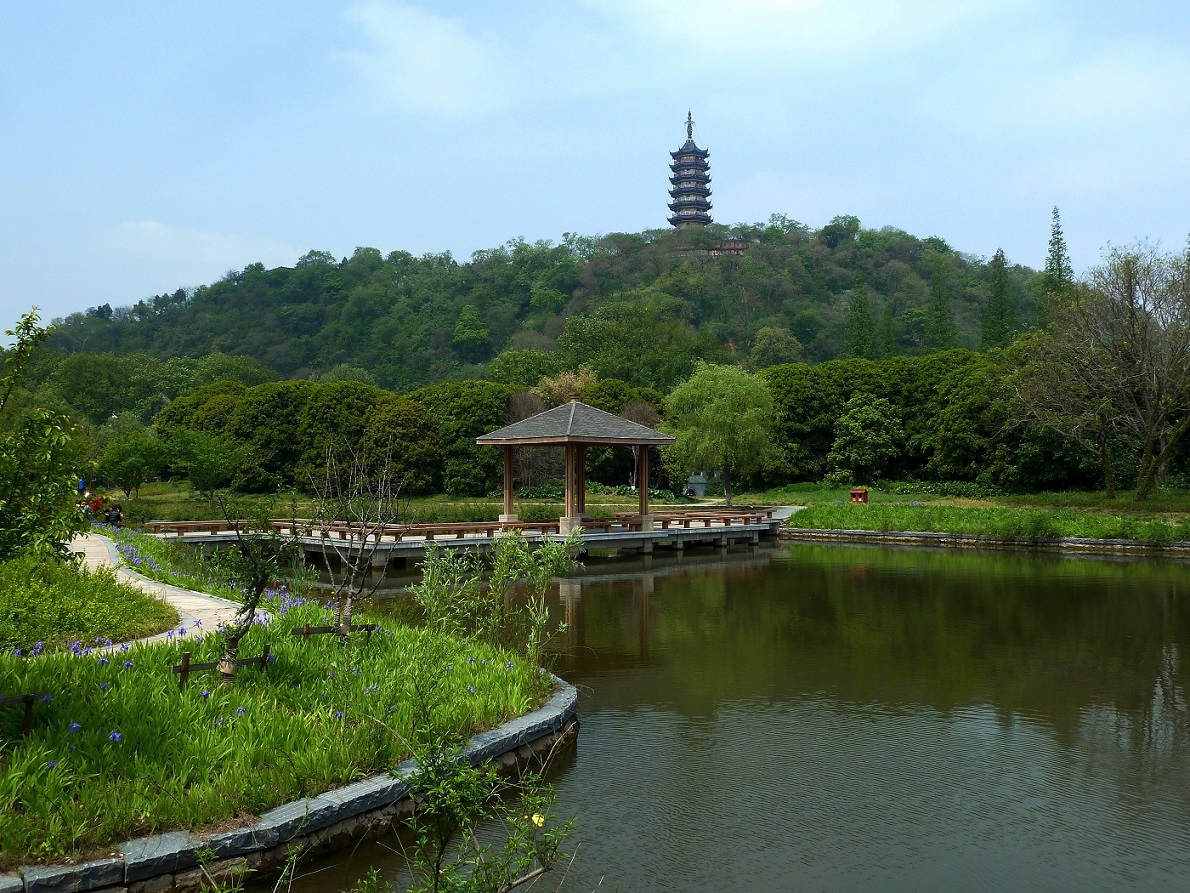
723, 419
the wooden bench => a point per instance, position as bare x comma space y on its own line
726, 517
181, 528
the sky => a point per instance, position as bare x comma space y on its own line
146, 147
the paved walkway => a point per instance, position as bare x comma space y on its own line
195, 608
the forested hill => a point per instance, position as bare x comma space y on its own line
638, 307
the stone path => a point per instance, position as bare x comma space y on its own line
208, 610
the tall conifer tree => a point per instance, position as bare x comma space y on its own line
888, 330
861, 328
942, 331
1059, 274
999, 316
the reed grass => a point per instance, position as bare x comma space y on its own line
45, 606
118, 752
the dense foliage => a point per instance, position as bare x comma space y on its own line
639, 307
40, 459
425, 354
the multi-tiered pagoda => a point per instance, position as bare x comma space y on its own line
688, 184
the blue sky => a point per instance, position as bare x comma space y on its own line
151, 146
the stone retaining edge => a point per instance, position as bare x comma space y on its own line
165, 861
1081, 545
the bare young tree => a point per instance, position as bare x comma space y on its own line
261, 554
357, 501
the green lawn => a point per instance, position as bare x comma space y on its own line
1161, 519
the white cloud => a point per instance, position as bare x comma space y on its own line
429, 63
788, 33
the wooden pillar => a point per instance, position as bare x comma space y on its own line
570, 519
642, 477
509, 513
581, 474
642, 486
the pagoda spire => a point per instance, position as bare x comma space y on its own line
689, 190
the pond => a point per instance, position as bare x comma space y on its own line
816, 717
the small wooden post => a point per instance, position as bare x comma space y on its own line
184, 671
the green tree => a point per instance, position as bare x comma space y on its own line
40, 461
641, 338
1058, 278
868, 438
888, 330
463, 410
723, 419
941, 332
130, 460
266, 424
524, 368
999, 316
470, 334
774, 345
404, 433
335, 411
209, 461
861, 329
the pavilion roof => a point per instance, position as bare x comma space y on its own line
576, 422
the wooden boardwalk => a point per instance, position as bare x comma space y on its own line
625, 533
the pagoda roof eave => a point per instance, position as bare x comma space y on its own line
577, 423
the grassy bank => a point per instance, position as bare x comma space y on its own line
1001, 522
117, 751
46, 607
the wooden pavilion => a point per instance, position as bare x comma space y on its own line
576, 426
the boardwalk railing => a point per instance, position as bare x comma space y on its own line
344, 531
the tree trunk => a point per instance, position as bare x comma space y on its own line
1146, 471
1109, 481
727, 482
229, 659
1153, 466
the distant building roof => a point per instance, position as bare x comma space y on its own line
576, 422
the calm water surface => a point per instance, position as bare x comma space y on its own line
844, 718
